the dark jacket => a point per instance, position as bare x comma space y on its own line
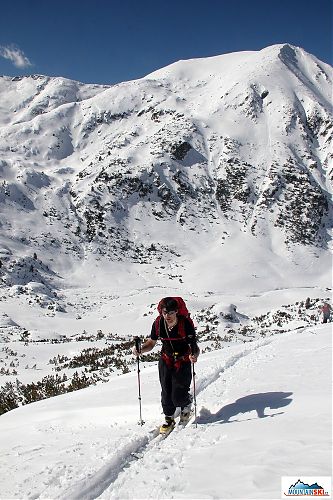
172, 342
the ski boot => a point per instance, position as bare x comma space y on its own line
185, 414
167, 427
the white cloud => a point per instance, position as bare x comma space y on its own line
14, 54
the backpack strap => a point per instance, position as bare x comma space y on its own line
157, 324
181, 328
175, 361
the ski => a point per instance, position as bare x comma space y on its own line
181, 424
165, 432
184, 421
155, 437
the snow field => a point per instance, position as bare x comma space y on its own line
256, 423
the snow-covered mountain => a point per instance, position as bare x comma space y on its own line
205, 149
209, 179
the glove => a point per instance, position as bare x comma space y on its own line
194, 357
135, 352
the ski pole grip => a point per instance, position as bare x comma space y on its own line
138, 344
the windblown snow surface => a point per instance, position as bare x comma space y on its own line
263, 412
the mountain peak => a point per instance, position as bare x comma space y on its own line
247, 67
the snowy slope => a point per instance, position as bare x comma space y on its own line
219, 163
264, 412
214, 147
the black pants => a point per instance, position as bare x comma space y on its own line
175, 386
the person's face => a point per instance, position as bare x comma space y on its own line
169, 315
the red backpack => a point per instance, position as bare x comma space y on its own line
182, 313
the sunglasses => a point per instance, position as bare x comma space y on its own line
168, 312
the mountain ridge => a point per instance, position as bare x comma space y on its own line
109, 170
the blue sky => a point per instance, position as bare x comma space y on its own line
109, 41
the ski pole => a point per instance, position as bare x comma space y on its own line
138, 348
194, 396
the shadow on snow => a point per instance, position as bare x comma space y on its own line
253, 402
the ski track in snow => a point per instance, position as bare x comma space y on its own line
209, 379
93, 487
138, 449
